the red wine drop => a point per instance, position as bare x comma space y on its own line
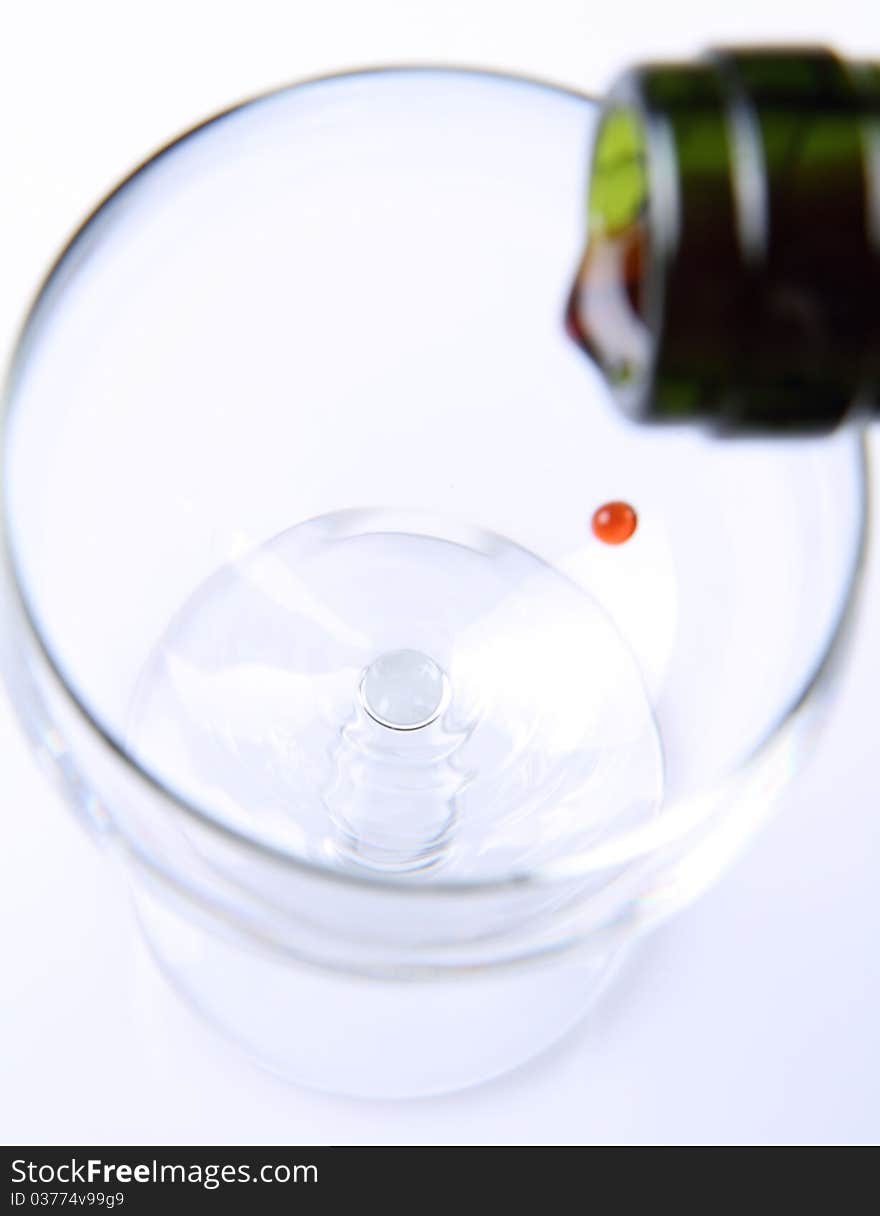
614, 522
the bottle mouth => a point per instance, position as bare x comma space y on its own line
607, 309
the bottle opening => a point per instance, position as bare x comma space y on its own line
606, 311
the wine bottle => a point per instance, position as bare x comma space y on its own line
732, 266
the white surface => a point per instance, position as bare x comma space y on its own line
752, 1018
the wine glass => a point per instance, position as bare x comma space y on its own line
410, 682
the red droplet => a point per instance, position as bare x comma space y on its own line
614, 522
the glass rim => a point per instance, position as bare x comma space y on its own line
664, 829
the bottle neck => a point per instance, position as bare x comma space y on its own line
732, 269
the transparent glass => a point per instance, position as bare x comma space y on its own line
304, 605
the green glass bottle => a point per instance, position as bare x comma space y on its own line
732, 267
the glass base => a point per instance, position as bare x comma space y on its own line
391, 693
360, 1036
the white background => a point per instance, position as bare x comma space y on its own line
753, 1018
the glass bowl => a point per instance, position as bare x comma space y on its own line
408, 679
